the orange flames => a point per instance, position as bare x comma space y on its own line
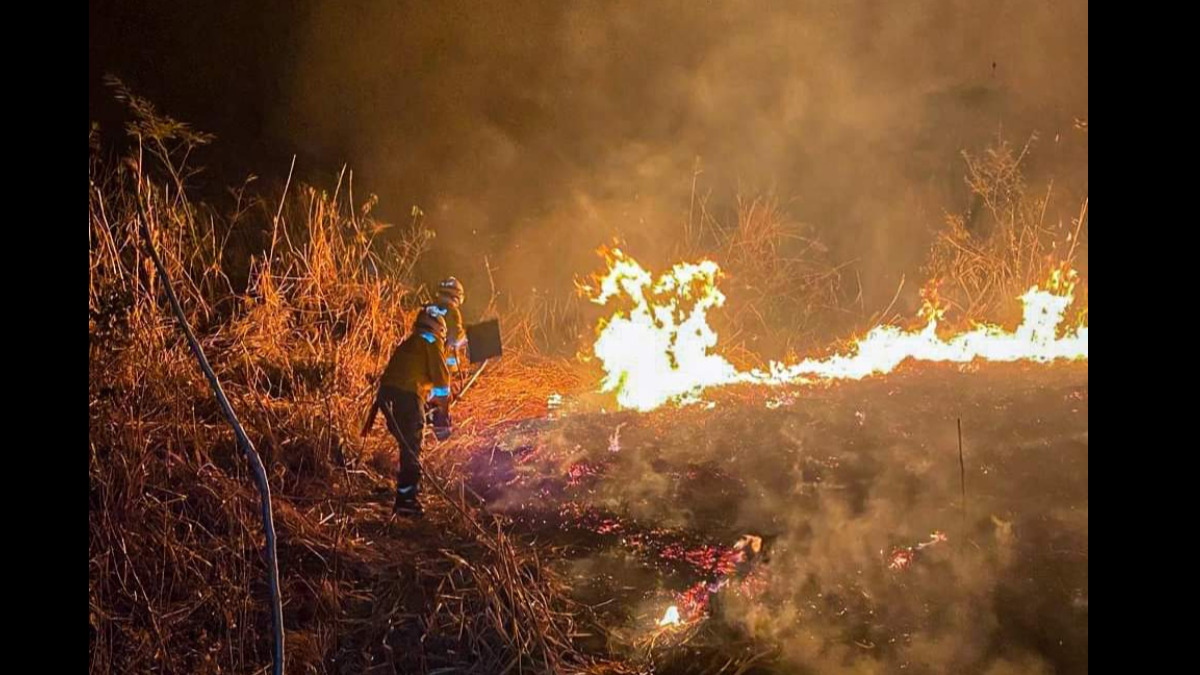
657, 347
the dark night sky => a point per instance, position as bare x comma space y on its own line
219, 65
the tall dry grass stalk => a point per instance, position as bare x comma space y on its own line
297, 301
1004, 243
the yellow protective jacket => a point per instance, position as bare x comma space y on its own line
418, 365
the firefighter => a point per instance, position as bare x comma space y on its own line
450, 297
415, 373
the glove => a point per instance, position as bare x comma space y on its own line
442, 427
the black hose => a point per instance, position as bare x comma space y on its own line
244, 444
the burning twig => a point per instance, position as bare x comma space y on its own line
902, 557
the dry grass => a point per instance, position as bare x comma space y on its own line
1003, 244
297, 301
785, 292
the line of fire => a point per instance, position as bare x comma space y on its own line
594, 338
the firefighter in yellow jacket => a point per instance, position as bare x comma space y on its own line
415, 373
450, 297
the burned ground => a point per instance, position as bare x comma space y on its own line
843, 483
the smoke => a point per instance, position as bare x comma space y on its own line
836, 482
531, 132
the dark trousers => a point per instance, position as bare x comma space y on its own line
405, 415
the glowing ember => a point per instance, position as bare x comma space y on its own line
579, 472
657, 346
726, 567
748, 545
902, 557
670, 617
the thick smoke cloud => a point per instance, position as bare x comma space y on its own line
526, 128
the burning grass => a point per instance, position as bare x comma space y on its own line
296, 300
657, 346
1003, 243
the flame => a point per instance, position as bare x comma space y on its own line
670, 617
660, 347
657, 345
